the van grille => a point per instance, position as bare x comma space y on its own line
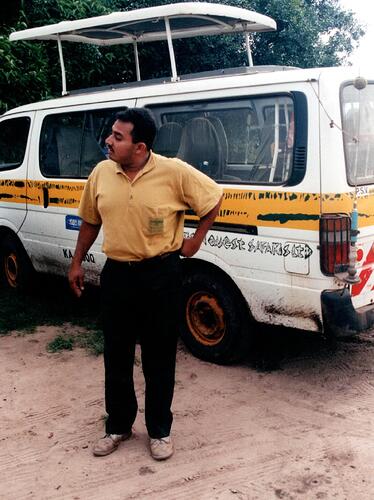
300, 157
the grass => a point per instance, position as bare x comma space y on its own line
61, 343
51, 303
91, 340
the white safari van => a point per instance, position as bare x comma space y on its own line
294, 150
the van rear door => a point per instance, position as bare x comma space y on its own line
347, 173
358, 137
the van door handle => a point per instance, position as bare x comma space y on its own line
45, 197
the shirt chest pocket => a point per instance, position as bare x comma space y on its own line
156, 220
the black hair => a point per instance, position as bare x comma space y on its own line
144, 124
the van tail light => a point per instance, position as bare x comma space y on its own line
335, 237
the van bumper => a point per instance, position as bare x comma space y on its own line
340, 318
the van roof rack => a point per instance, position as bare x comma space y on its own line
241, 70
164, 22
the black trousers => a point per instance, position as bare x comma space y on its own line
140, 302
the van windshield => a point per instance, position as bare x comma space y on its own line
358, 135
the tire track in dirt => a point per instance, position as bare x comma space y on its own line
261, 468
182, 480
47, 415
94, 402
187, 461
341, 412
303, 414
187, 479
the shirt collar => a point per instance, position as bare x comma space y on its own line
150, 165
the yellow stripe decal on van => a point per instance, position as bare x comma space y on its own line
240, 206
13, 190
60, 194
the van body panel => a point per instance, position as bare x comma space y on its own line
258, 266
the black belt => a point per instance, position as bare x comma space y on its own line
144, 262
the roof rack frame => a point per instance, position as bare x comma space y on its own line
137, 65
62, 64
180, 20
174, 75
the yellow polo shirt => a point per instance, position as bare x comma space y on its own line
144, 218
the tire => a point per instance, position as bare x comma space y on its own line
215, 318
16, 271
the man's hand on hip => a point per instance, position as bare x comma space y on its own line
190, 246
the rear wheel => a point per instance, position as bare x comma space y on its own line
16, 270
215, 325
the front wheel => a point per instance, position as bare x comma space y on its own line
215, 324
15, 267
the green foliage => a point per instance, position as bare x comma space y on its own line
61, 343
18, 86
91, 340
310, 33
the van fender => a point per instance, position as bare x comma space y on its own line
16, 269
215, 319
218, 262
7, 226
9, 229
220, 266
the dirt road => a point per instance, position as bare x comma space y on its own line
304, 431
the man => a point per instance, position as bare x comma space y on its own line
139, 199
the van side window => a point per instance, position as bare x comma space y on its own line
13, 142
246, 141
71, 144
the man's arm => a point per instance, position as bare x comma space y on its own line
87, 235
191, 245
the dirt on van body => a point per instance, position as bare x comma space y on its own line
301, 430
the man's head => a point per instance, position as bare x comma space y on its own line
144, 126
132, 136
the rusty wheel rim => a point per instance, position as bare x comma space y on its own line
205, 318
11, 269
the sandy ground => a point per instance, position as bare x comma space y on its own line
302, 431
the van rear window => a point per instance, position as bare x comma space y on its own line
358, 133
13, 141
